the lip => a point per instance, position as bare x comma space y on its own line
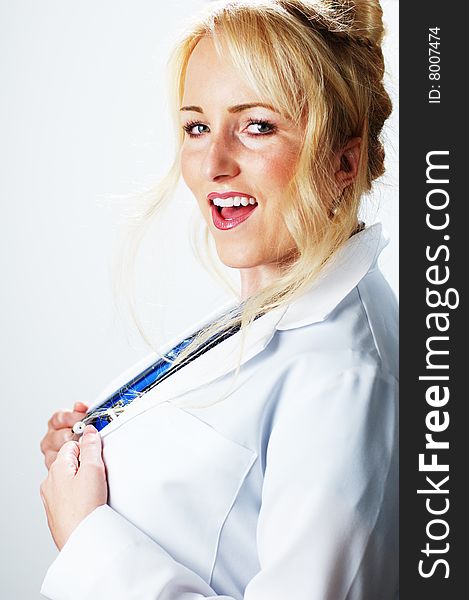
218, 220
224, 224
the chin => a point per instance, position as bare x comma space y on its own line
238, 258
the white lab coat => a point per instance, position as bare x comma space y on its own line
286, 489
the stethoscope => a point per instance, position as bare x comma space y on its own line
115, 404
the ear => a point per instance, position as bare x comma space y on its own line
346, 163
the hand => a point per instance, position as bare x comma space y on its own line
75, 486
60, 431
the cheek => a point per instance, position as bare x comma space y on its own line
276, 170
284, 168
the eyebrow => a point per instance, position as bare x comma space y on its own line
233, 109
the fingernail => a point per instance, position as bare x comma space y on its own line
90, 429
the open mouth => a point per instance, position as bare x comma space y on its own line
231, 211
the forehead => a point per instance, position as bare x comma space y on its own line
212, 75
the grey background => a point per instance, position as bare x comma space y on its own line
83, 127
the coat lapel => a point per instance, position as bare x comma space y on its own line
214, 364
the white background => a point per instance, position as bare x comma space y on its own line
83, 126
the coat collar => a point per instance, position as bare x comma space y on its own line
342, 274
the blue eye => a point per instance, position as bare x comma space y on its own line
194, 128
263, 127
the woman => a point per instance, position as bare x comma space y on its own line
266, 468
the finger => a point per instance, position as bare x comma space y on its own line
65, 418
55, 439
49, 458
80, 407
90, 447
68, 456
43, 491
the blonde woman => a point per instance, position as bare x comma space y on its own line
264, 466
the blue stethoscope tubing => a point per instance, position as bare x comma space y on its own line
113, 405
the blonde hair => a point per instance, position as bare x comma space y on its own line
321, 64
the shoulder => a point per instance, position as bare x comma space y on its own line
340, 374
349, 313
348, 386
380, 308
360, 334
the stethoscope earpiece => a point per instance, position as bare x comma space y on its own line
79, 427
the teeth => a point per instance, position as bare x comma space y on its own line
234, 201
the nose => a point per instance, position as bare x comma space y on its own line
220, 161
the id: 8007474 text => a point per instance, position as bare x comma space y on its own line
434, 65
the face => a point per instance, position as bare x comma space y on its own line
237, 151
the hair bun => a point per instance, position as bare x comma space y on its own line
367, 20
357, 20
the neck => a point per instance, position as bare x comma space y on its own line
256, 278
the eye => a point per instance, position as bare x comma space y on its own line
194, 128
257, 127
